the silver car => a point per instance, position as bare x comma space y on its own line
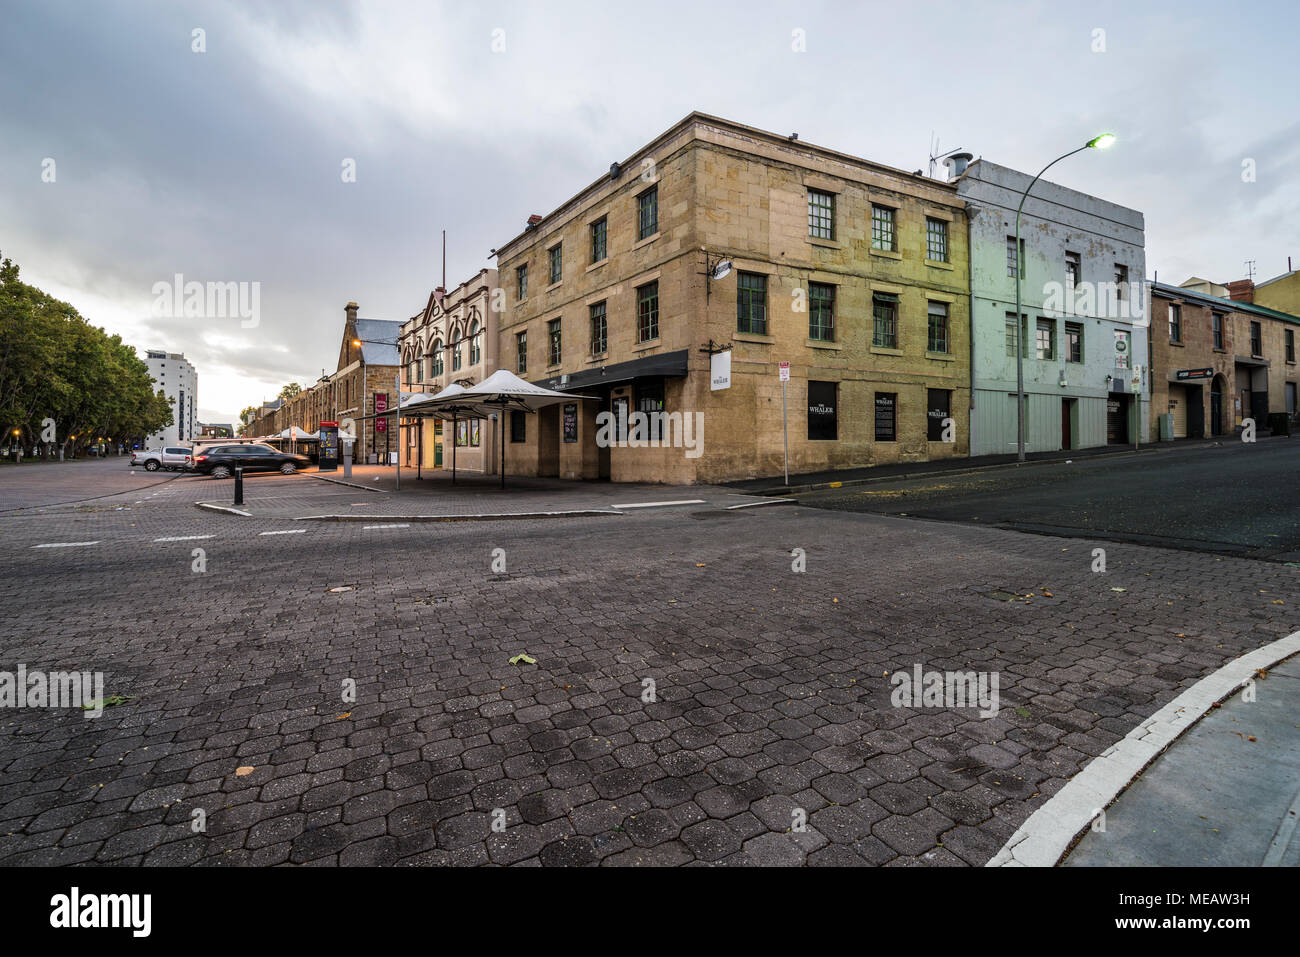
171, 458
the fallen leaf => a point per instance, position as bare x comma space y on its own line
701, 565
342, 716
243, 772
526, 659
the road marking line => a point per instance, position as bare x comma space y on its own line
770, 501
684, 501
290, 531
364, 527
183, 538
65, 544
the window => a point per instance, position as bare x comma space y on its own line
647, 312
555, 346
412, 369
821, 312
1175, 322
886, 416
647, 213
1290, 345
751, 303
1256, 341
598, 328
823, 412
650, 401
936, 240
1121, 281
1046, 339
1011, 332
1216, 322
884, 311
821, 214
938, 338
437, 357
882, 228
1074, 342
455, 355
521, 352
598, 234
521, 282
518, 426
1073, 265
475, 344
557, 263
939, 408
1013, 258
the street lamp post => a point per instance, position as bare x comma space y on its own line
1097, 142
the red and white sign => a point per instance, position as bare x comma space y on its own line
785, 372
381, 406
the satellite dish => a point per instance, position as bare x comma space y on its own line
722, 270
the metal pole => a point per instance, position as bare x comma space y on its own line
397, 424
419, 449
453, 448
501, 421
785, 429
1020, 323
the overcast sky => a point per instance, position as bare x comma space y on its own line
226, 165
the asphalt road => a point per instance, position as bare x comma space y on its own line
1238, 499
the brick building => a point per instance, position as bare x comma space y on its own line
1216, 361
853, 272
368, 365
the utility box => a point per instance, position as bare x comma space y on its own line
1166, 426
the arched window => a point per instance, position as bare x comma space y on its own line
437, 357
455, 348
475, 344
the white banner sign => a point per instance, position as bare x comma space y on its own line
720, 371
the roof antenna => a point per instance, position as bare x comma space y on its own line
1250, 269
935, 156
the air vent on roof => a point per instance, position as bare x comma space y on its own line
614, 170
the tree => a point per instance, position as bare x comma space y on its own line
248, 415
66, 382
289, 391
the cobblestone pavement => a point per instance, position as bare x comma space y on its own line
771, 699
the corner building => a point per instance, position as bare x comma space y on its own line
853, 272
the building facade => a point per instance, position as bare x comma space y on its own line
453, 340
853, 273
367, 369
177, 378
1082, 262
1216, 362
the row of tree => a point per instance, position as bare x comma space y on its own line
65, 383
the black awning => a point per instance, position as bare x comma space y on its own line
671, 364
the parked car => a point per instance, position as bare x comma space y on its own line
219, 461
171, 459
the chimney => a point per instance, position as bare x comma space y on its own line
533, 220
957, 164
351, 310
1242, 290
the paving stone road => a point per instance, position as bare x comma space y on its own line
771, 691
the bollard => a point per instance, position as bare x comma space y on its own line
239, 485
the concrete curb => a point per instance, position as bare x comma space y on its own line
1048, 833
478, 517
322, 478
769, 501
230, 510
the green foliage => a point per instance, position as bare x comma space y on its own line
56, 365
289, 391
